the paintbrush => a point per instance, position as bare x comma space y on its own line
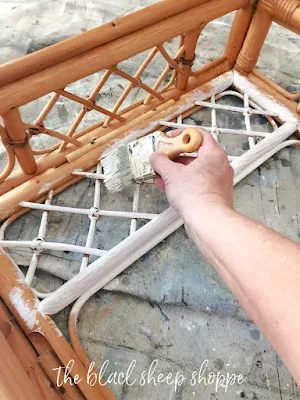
130, 163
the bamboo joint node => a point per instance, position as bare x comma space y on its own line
282, 10
187, 61
15, 144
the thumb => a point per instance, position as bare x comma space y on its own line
162, 165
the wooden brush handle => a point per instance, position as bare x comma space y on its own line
187, 142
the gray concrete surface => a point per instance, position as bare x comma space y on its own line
169, 306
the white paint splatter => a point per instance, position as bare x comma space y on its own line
58, 331
264, 100
217, 85
44, 188
26, 312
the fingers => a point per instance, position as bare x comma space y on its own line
185, 160
174, 132
159, 183
163, 166
208, 140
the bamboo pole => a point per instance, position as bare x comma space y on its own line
52, 179
294, 22
14, 382
130, 85
11, 157
279, 89
24, 306
89, 104
290, 104
254, 41
238, 32
84, 42
59, 76
55, 159
187, 59
214, 67
103, 270
138, 123
136, 82
49, 362
28, 358
19, 141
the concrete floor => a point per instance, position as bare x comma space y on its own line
169, 306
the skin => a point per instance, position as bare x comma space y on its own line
265, 281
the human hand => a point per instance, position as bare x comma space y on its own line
189, 182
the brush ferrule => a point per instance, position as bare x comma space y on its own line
139, 152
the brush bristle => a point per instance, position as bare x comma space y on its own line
117, 169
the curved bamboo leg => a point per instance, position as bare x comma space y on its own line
72, 325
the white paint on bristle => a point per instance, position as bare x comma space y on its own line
26, 312
217, 85
267, 102
117, 169
115, 160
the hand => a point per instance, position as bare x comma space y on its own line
202, 182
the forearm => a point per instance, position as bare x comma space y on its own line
262, 269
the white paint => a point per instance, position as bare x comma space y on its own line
217, 86
120, 169
102, 271
44, 188
39, 246
264, 100
56, 328
26, 312
47, 186
83, 211
262, 151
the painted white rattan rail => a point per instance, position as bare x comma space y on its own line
38, 245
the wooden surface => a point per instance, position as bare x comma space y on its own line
238, 33
14, 382
72, 47
256, 35
23, 305
60, 75
16, 133
55, 177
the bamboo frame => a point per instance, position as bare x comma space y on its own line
56, 77
123, 255
24, 306
285, 13
178, 92
73, 47
247, 163
18, 140
187, 59
52, 179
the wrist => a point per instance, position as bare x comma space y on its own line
203, 215
205, 209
